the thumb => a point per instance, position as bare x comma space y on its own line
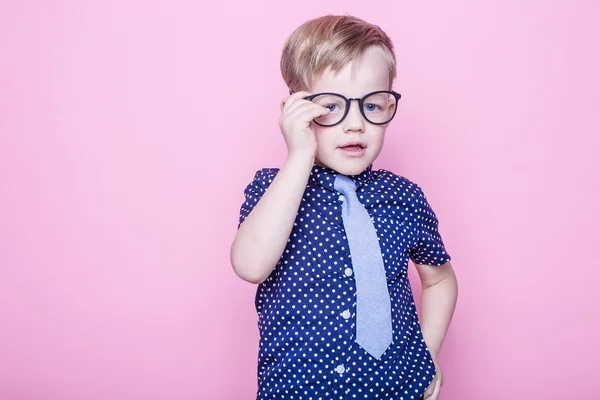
430, 389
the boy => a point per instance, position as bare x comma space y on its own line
328, 238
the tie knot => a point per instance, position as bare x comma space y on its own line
344, 185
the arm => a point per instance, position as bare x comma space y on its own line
438, 300
262, 237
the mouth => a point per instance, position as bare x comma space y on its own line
354, 148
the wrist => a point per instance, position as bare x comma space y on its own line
298, 157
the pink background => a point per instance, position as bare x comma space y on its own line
129, 129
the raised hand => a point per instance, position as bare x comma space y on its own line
295, 123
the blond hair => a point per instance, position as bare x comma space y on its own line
331, 41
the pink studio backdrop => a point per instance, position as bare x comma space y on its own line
129, 129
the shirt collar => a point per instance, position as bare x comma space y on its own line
325, 176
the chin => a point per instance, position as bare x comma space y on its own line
347, 167
352, 169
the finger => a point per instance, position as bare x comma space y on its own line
429, 391
297, 108
303, 108
294, 105
288, 102
308, 112
436, 390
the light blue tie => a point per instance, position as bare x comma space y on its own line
373, 308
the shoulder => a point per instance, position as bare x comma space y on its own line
394, 182
261, 182
263, 177
402, 190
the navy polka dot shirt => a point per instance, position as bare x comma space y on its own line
307, 306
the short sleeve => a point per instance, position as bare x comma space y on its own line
255, 190
429, 249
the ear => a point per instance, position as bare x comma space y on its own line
282, 104
391, 105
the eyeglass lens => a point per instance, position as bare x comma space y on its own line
377, 108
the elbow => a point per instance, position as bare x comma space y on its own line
244, 269
247, 274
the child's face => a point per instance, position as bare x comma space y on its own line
371, 75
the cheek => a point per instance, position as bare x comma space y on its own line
324, 136
377, 141
379, 135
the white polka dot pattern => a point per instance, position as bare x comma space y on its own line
307, 309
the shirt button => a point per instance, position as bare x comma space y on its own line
340, 369
348, 271
346, 314
341, 198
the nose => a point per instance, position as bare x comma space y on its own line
354, 121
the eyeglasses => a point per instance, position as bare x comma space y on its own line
378, 107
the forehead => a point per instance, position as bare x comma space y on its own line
367, 74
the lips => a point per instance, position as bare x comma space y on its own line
354, 149
353, 146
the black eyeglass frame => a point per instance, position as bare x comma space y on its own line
360, 100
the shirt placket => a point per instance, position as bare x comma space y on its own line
346, 312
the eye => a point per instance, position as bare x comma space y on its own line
371, 107
331, 107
